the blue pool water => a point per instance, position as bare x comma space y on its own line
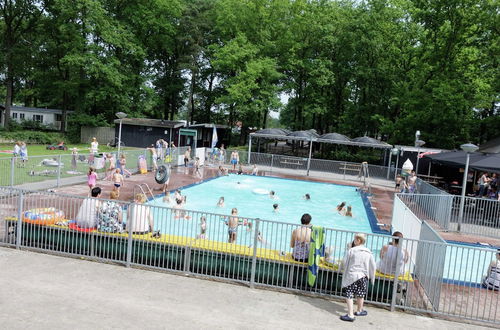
238, 191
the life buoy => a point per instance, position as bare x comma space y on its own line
43, 216
260, 191
162, 174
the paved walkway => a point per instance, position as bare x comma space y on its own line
40, 291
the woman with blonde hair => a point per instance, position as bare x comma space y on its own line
358, 267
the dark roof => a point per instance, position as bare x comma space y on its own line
492, 146
38, 110
478, 161
151, 122
208, 125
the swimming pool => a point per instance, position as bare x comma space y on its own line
239, 191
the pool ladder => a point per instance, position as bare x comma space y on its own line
141, 187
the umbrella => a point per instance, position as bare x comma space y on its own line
490, 162
303, 134
455, 158
368, 141
271, 131
335, 137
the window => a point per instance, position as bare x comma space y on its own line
38, 118
21, 116
58, 117
14, 115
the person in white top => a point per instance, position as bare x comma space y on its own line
388, 262
87, 213
142, 220
94, 146
358, 267
492, 280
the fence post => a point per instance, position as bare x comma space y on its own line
59, 170
272, 161
12, 168
19, 231
396, 275
130, 220
254, 256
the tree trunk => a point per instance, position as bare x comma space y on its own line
9, 85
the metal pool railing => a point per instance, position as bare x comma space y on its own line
437, 277
481, 216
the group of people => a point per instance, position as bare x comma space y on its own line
21, 152
488, 186
107, 216
358, 266
344, 210
408, 185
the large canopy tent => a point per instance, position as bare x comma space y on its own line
311, 136
478, 160
491, 147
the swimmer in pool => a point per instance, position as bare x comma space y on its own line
203, 228
177, 194
341, 208
272, 195
348, 213
307, 197
276, 208
220, 203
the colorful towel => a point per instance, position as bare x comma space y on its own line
316, 251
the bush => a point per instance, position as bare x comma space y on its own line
32, 136
76, 121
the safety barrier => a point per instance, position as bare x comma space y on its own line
437, 277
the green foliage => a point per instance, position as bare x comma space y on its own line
383, 68
77, 121
32, 136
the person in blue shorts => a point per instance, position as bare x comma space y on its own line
235, 159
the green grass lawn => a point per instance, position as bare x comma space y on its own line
35, 171
39, 149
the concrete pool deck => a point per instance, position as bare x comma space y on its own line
42, 291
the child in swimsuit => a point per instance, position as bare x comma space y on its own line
117, 180
123, 163
91, 178
203, 228
233, 223
348, 213
220, 203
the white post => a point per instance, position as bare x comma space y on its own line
119, 139
389, 166
397, 164
249, 148
418, 154
310, 153
462, 197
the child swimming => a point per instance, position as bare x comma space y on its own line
276, 208
220, 203
341, 208
348, 213
307, 197
203, 228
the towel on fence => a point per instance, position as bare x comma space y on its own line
316, 250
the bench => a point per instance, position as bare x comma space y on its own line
291, 161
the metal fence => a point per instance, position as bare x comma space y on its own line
301, 165
440, 278
481, 216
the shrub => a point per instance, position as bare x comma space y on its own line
76, 121
32, 136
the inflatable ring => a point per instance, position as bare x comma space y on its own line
43, 216
74, 226
162, 174
260, 191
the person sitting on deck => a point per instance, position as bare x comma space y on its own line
142, 219
87, 214
492, 280
388, 262
109, 217
301, 238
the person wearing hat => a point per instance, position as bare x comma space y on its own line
492, 280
